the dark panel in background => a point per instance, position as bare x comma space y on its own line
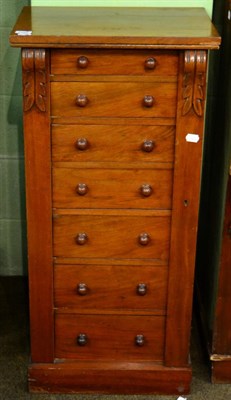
213, 277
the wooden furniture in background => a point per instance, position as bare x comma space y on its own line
113, 120
213, 273
221, 350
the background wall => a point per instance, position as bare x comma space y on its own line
12, 201
125, 3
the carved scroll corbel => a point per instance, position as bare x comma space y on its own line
34, 79
40, 80
28, 78
199, 83
194, 82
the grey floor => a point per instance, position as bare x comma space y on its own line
14, 356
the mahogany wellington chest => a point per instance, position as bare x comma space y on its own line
114, 103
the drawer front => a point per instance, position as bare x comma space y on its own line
106, 337
96, 188
112, 62
110, 287
113, 99
111, 236
124, 143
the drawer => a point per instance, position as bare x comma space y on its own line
110, 287
112, 188
112, 62
113, 99
107, 337
113, 236
124, 143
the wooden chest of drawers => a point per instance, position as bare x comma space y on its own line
113, 123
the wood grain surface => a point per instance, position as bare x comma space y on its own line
109, 337
111, 62
117, 188
177, 28
110, 287
109, 99
111, 236
123, 143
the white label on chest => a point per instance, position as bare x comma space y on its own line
23, 33
192, 138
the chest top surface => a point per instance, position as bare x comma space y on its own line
174, 28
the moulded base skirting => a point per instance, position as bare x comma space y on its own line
109, 377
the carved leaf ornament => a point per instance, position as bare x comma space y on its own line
34, 79
194, 82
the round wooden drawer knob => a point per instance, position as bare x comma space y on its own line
148, 146
81, 238
141, 289
150, 63
139, 340
146, 190
82, 289
82, 189
82, 62
144, 239
81, 100
82, 144
82, 339
148, 101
